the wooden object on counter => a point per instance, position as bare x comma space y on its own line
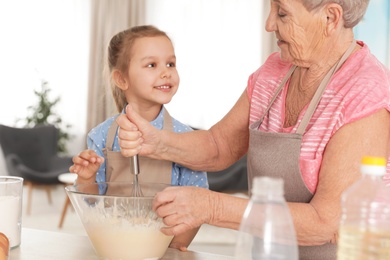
4, 246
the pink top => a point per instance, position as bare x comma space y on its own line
358, 89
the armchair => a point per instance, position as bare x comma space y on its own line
231, 180
31, 153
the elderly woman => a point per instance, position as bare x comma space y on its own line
308, 115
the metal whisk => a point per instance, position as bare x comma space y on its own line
136, 191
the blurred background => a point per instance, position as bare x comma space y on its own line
60, 44
218, 43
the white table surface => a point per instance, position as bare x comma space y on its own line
47, 245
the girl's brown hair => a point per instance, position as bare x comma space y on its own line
119, 50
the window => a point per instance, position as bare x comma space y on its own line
374, 30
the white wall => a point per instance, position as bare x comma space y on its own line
49, 40
217, 46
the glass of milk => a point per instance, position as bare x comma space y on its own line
11, 190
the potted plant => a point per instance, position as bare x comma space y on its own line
43, 113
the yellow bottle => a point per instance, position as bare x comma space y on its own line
365, 221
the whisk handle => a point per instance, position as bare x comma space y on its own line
135, 163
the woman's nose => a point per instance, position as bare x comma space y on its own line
270, 24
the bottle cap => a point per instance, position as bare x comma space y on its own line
265, 185
373, 165
370, 160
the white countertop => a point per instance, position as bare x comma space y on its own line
46, 245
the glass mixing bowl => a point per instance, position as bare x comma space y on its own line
118, 225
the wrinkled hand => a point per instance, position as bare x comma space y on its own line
183, 208
136, 135
86, 165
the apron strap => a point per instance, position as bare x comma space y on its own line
111, 135
167, 125
281, 85
317, 96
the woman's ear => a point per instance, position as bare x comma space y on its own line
334, 15
119, 80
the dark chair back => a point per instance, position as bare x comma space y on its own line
31, 153
34, 146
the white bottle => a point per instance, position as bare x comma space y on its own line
267, 230
365, 221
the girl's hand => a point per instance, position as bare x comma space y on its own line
86, 165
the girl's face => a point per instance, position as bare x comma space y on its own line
152, 76
299, 32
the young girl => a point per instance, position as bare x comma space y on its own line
142, 65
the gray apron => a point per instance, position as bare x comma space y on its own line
118, 167
277, 155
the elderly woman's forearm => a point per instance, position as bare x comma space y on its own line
212, 150
310, 228
226, 210
196, 150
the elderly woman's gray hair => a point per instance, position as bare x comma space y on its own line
354, 10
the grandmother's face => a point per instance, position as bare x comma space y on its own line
299, 32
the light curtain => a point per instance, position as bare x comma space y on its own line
218, 44
107, 18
